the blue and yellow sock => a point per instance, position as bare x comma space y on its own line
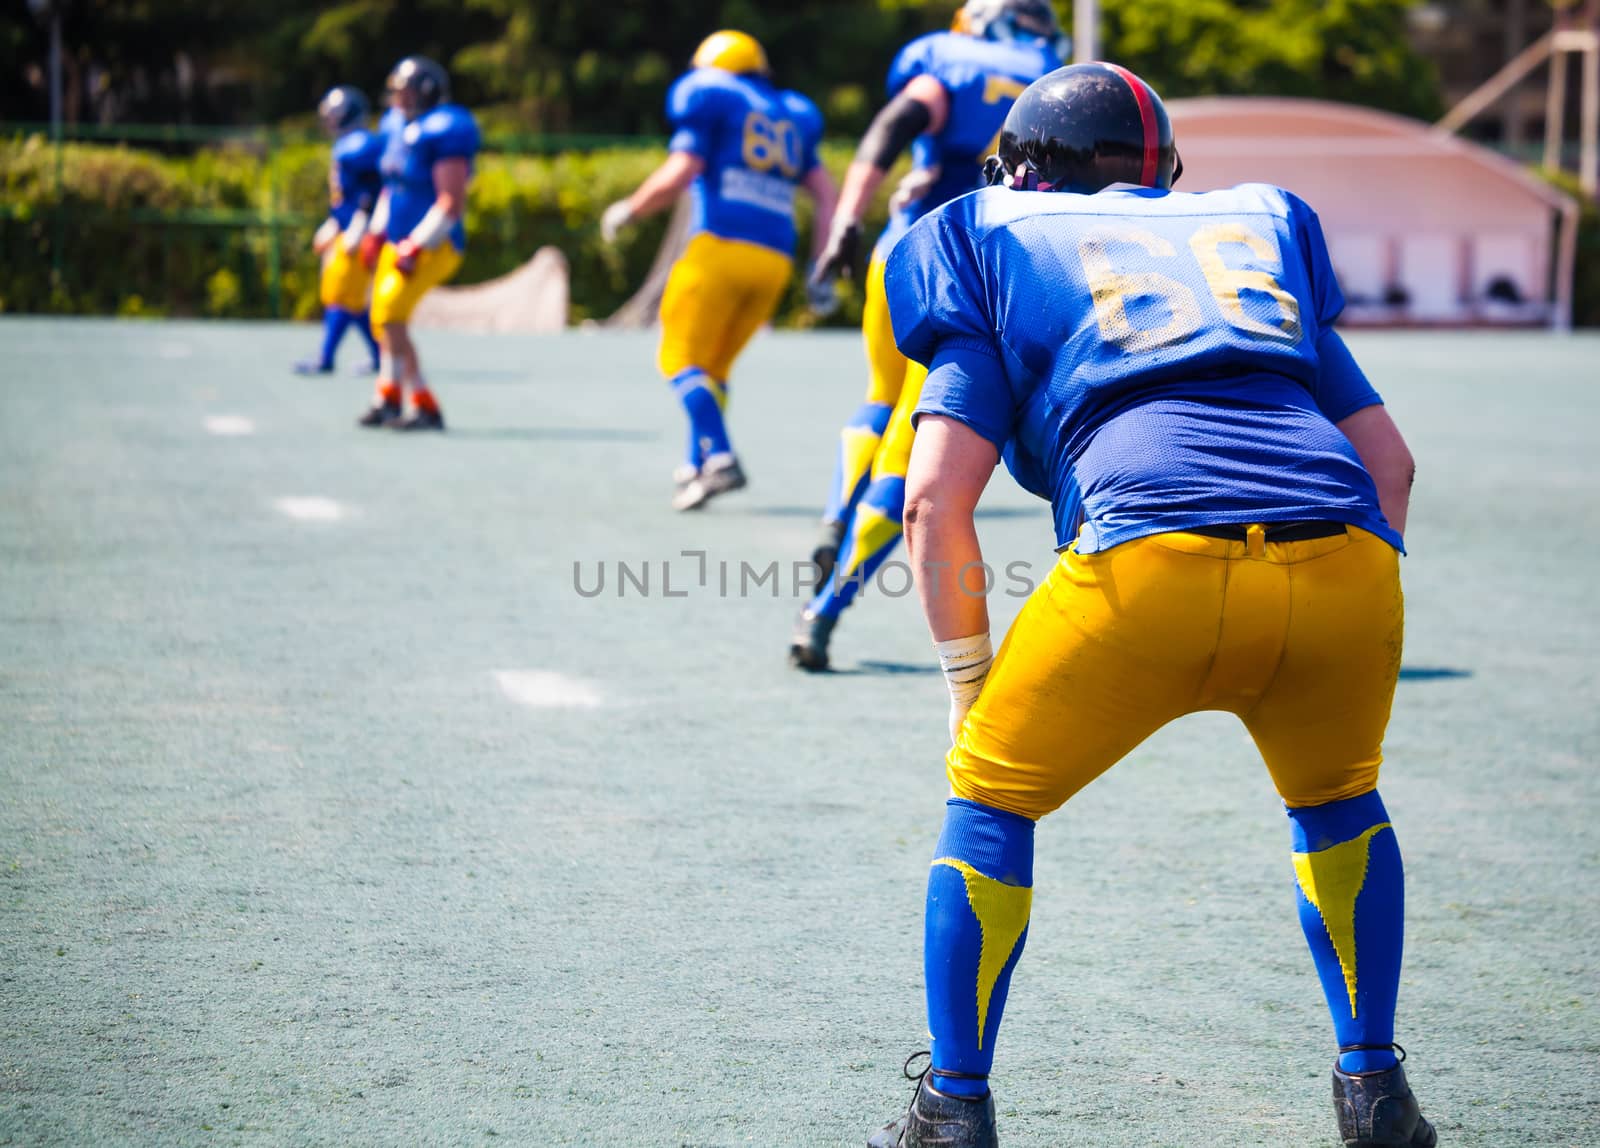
363, 324
858, 442
335, 322
703, 399
980, 892
870, 537
1351, 891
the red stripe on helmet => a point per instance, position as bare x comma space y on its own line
1147, 118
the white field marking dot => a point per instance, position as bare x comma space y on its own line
230, 425
310, 509
546, 690
174, 350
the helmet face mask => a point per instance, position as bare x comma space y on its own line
417, 85
1083, 128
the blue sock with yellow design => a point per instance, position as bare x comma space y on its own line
980, 891
870, 537
1351, 890
703, 399
858, 442
335, 322
363, 324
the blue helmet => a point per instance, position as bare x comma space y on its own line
423, 78
343, 108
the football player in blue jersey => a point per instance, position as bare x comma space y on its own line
353, 187
417, 237
950, 92
742, 145
1229, 497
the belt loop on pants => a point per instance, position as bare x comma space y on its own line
1255, 540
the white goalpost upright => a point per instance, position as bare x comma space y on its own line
1085, 31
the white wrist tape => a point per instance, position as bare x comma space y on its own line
353, 233
965, 662
432, 228
380, 216
326, 234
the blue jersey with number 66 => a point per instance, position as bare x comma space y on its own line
1149, 361
757, 142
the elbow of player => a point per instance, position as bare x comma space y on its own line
922, 512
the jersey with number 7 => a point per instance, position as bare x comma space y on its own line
1148, 360
982, 78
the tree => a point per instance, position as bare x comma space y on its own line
1355, 51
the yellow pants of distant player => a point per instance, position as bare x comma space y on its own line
719, 292
1300, 639
886, 366
395, 296
892, 379
345, 281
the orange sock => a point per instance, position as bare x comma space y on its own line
388, 391
422, 398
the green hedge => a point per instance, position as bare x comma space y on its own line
144, 234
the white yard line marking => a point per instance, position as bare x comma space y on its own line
230, 425
310, 509
544, 689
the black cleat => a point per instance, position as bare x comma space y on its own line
808, 646
417, 420
1379, 1110
379, 415
826, 552
939, 1120
720, 474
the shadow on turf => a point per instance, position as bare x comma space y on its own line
889, 669
556, 434
813, 512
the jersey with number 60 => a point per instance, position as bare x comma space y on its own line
1148, 360
757, 142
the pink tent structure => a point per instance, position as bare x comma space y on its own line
1425, 228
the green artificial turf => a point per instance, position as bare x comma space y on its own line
283, 862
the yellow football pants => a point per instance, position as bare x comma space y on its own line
1300, 639
395, 296
894, 450
345, 281
718, 294
886, 366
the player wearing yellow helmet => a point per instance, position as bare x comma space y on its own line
740, 145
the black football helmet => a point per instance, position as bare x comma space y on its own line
343, 108
425, 80
1085, 127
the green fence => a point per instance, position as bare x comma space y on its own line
172, 220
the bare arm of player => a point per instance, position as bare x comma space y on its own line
1387, 458
950, 465
450, 186
881, 146
825, 196
433, 229
659, 191
922, 106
